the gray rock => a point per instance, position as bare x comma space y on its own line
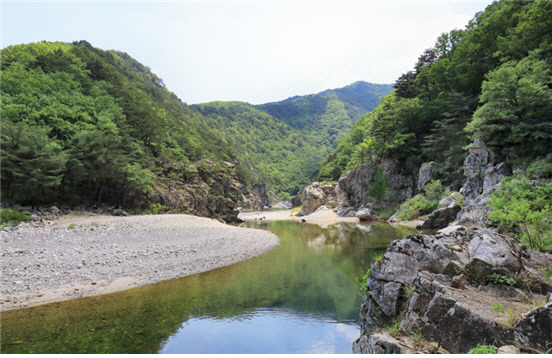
489, 253
54, 210
494, 174
508, 350
424, 175
440, 218
119, 212
425, 281
458, 328
378, 343
314, 195
535, 329
460, 281
354, 186
476, 211
295, 202
366, 214
454, 199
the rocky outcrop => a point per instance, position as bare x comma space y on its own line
445, 286
370, 183
482, 177
256, 199
424, 175
207, 189
446, 212
315, 195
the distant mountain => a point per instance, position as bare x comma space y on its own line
330, 113
285, 142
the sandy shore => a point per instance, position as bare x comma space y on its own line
85, 256
322, 217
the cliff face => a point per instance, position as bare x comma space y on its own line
208, 189
375, 184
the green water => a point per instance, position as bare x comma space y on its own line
301, 297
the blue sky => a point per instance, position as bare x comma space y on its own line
253, 51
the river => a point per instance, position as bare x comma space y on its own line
302, 297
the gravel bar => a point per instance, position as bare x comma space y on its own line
84, 256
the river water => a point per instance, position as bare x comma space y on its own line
302, 297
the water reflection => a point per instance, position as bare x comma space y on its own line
263, 331
309, 283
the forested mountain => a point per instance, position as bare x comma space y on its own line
327, 116
491, 80
82, 125
283, 143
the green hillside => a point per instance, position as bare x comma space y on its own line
327, 116
490, 80
283, 143
82, 125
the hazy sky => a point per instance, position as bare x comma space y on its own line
253, 51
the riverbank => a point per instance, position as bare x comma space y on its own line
322, 217
76, 256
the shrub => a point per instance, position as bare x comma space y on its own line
364, 278
385, 213
481, 349
497, 278
379, 185
524, 210
13, 217
415, 207
155, 209
434, 190
547, 272
378, 257
393, 328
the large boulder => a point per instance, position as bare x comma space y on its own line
379, 343
494, 174
448, 209
314, 195
366, 214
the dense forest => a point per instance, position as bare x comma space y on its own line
82, 125
283, 143
491, 80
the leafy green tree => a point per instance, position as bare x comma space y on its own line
517, 106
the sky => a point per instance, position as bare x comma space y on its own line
251, 51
